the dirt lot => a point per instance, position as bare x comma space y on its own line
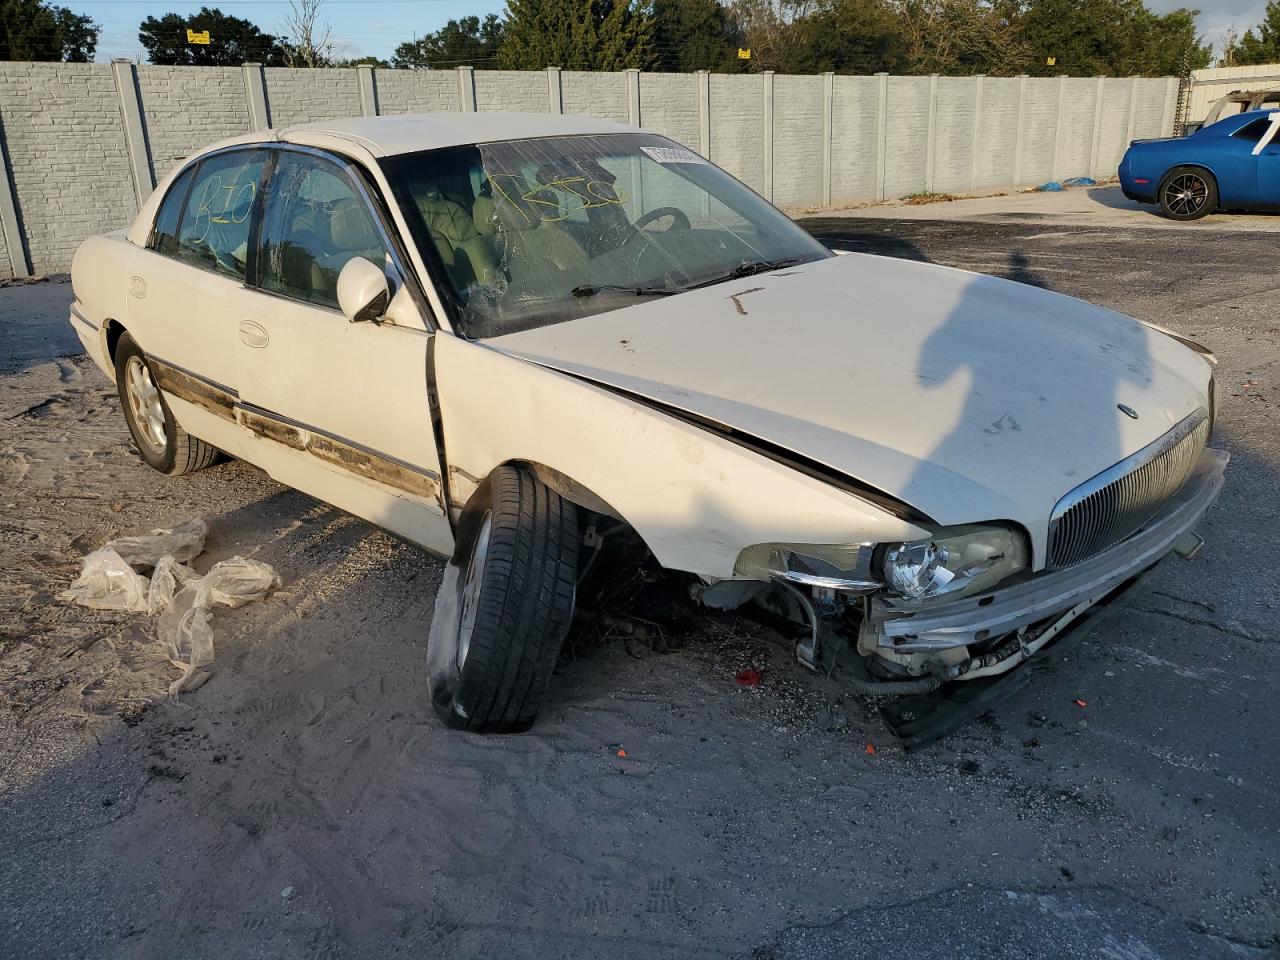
306, 803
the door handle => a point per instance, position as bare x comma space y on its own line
253, 334
137, 287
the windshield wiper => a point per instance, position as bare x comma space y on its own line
591, 289
749, 268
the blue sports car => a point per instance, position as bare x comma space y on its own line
1233, 164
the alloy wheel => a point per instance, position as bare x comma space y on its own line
471, 588
144, 402
1186, 194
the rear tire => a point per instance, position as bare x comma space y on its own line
1188, 193
163, 444
504, 606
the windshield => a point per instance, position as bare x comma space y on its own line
523, 234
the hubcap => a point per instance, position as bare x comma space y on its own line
1186, 194
144, 403
471, 588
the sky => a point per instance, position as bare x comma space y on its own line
375, 27
360, 27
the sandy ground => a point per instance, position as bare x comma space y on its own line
306, 803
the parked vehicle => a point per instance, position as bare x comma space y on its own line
1232, 165
1237, 101
516, 339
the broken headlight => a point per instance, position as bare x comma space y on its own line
831, 566
959, 561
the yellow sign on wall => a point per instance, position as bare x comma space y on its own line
202, 37
744, 54
1051, 61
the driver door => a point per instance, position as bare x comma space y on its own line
338, 409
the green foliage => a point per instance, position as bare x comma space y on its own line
693, 35
466, 41
377, 62
1111, 37
850, 36
578, 35
232, 41
34, 30
1257, 46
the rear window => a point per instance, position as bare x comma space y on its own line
1253, 132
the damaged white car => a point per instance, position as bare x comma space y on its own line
517, 339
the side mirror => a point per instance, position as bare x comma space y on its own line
363, 293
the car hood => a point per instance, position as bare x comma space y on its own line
970, 397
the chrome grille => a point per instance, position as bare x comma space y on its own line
1117, 502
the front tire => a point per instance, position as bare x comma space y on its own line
1188, 193
163, 444
504, 606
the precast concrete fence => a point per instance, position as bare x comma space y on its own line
85, 144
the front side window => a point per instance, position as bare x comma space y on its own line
533, 232
213, 231
314, 221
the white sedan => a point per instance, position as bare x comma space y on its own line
512, 339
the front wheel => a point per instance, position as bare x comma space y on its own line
504, 605
1188, 193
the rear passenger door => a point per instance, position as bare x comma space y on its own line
335, 408
195, 259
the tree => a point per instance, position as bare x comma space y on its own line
306, 41
849, 36
1110, 37
364, 62
578, 35
1260, 46
695, 35
34, 30
466, 41
961, 37
232, 41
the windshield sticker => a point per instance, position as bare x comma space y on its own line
672, 155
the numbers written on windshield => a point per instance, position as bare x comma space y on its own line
543, 201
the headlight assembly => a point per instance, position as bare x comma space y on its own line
956, 562
831, 566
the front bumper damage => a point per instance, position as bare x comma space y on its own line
1046, 614
896, 630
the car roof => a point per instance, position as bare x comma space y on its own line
1229, 125
408, 133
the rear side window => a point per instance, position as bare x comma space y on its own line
213, 230
165, 236
1253, 132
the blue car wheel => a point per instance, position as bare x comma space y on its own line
1188, 193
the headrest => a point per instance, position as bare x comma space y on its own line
446, 218
488, 214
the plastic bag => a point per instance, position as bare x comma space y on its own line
237, 581
184, 543
180, 596
107, 582
184, 629
167, 579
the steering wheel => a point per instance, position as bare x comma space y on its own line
680, 220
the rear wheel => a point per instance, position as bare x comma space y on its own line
163, 444
504, 605
1188, 193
